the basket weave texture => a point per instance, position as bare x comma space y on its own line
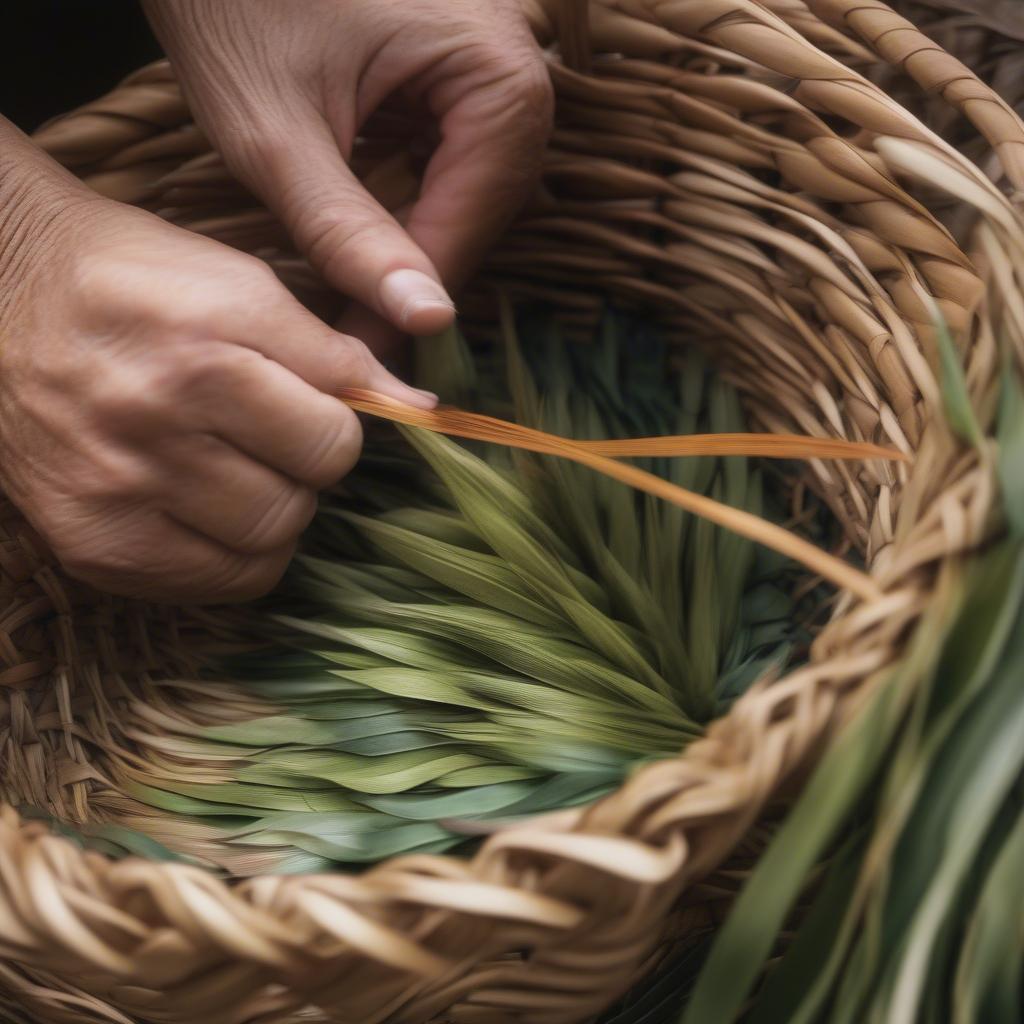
733, 168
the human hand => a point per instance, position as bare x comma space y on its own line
165, 409
283, 89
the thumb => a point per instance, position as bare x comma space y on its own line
347, 235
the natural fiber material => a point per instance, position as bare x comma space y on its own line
987, 36
602, 459
470, 637
732, 169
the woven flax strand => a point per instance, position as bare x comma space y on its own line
731, 167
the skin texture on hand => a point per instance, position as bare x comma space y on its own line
165, 409
283, 89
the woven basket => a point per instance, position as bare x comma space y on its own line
733, 169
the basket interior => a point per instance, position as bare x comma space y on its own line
770, 218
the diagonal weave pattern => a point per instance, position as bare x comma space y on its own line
730, 167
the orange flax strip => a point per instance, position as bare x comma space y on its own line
768, 446
486, 428
458, 423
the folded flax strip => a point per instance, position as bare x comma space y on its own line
602, 456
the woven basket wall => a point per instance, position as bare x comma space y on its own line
731, 168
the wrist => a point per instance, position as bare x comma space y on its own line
42, 208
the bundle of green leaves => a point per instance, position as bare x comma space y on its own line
472, 635
917, 810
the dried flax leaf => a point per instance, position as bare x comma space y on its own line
473, 639
743, 944
949, 750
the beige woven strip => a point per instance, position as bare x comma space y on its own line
697, 173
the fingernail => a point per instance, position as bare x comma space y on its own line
427, 399
402, 392
415, 301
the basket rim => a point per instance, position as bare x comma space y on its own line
668, 825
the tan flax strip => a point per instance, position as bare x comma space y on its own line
486, 428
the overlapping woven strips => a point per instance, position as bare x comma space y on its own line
731, 168
988, 36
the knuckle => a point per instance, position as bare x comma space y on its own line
202, 372
538, 93
110, 479
493, 56
101, 284
354, 362
260, 274
529, 106
115, 292
530, 85
336, 452
519, 77
336, 234
255, 151
193, 294
76, 494
154, 392
239, 580
283, 517
126, 400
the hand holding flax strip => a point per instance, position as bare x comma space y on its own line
602, 455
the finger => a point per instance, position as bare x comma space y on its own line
346, 234
224, 495
385, 341
283, 422
495, 120
285, 332
148, 556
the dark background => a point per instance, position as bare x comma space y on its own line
57, 55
